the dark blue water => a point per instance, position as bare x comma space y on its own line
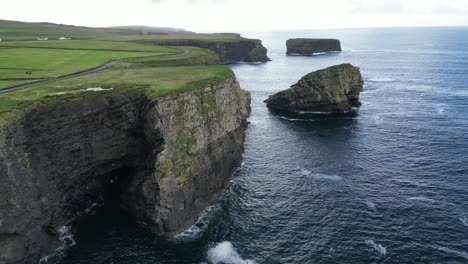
387, 184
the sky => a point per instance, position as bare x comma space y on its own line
241, 15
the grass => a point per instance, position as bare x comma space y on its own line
195, 37
150, 69
87, 45
13, 30
155, 82
191, 56
21, 63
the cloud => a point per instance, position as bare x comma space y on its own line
410, 6
377, 6
192, 2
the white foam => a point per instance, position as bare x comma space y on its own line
461, 254
66, 236
422, 199
321, 176
371, 205
96, 89
440, 109
225, 253
464, 220
378, 247
67, 239
381, 79
327, 177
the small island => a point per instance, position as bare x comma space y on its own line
332, 90
307, 47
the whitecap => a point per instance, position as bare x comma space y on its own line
440, 109
464, 220
371, 205
378, 247
381, 79
321, 176
225, 253
421, 198
97, 89
461, 254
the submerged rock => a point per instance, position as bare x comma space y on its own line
333, 90
303, 46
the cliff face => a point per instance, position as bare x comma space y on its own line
168, 158
312, 46
335, 89
228, 51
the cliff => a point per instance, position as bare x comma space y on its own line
335, 89
303, 46
229, 51
167, 157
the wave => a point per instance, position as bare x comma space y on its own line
225, 253
371, 205
381, 79
378, 247
464, 220
421, 198
321, 176
461, 254
67, 239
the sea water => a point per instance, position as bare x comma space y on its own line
385, 184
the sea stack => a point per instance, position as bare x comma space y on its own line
332, 90
307, 46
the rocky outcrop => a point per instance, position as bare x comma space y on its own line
303, 46
168, 158
335, 89
242, 50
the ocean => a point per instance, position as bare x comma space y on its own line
385, 184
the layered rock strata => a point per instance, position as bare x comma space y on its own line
167, 157
303, 46
332, 90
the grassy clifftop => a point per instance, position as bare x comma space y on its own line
62, 70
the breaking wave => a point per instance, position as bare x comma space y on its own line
378, 247
421, 198
381, 79
461, 254
464, 220
320, 176
225, 253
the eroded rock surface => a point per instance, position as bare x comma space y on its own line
335, 89
170, 157
304, 46
246, 50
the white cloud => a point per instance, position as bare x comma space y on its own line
242, 15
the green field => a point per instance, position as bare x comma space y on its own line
87, 45
138, 67
158, 81
48, 59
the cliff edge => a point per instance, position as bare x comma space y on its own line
333, 90
168, 157
304, 46
230, 49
